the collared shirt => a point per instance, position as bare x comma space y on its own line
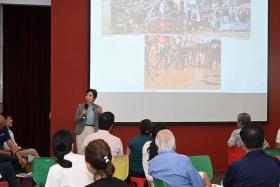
175, 169
135, 158
76, 176
235, 139
114, 142
255, 169
90, 115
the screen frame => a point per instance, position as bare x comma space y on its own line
266, 122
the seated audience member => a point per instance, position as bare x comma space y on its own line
13, 155
150, 149
243, 119
174, 169
25, 151
105, 122
256, 168
70, 169
135, 146
277, 146
7, 173
98, 158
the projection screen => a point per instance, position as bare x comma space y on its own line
180, 60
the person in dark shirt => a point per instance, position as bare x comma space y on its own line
98, 159
135, 146
255, 169
13, 155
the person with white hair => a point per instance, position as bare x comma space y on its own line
174, 169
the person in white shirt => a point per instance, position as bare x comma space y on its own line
243, 119
149, 150
70, 169
278, 140
105, 122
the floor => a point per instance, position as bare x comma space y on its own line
218, 177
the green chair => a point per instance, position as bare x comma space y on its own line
272, 152
203, 163
41, 166
159, 183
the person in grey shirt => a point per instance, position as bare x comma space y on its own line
243, 119
86, 118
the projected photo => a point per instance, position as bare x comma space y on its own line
178, 62
204, 17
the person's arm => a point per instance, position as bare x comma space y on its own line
266, 145
128, 151
80, 113
232, 140
277, 146
196, 179
15, 150
99, 110
205, 178
6, 153
121, 148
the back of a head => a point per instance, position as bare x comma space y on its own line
244, 118
3, 114
252, 136
98, 155
106, 120
165, 141
62, 145
157, 126
145, 126
153, 149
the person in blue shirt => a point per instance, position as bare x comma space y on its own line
135, 146
255, 169
176, 170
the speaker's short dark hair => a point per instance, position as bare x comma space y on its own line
93, 91
106, 120
244, 118
252, 136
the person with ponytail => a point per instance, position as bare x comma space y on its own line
150, 149
98, 160
70, 169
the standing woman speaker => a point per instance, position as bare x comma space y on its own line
86, 118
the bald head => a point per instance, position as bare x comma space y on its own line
165, 141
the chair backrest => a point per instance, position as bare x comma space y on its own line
203, 163
234, 154
159, 183
41, 166
121, 166
272, 152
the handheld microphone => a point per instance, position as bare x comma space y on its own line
86, 107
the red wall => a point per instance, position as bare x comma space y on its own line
69, 74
